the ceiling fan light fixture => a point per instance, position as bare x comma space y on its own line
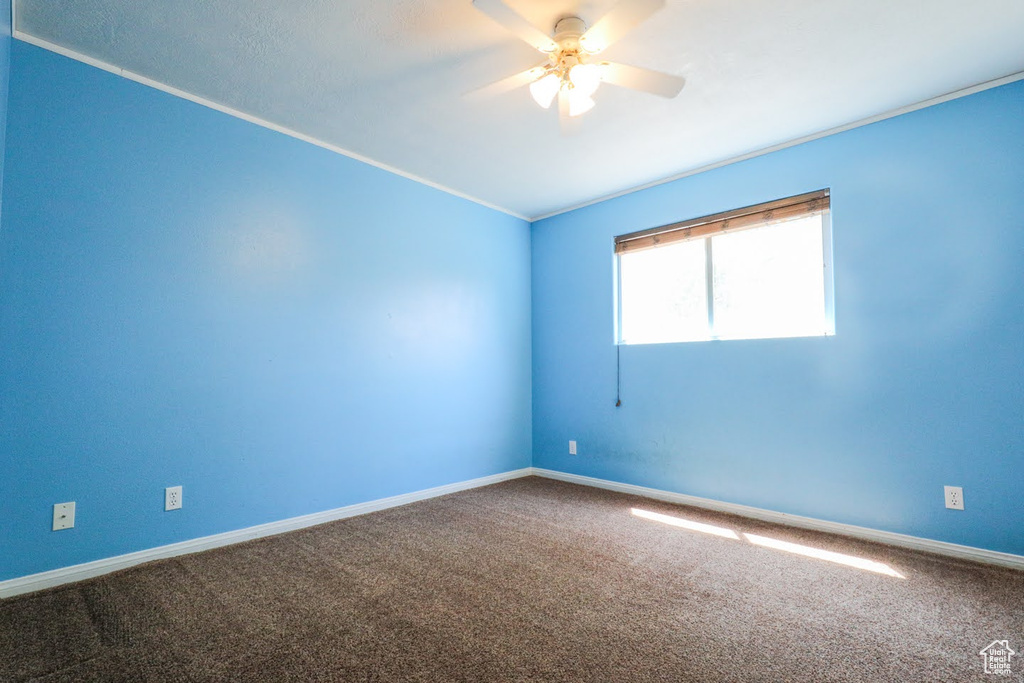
567, 72
579, 103
544, 89
585, 78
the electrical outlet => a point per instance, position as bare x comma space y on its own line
954, 497
63, 516
572, 448
172, 498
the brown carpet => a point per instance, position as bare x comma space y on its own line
528, 580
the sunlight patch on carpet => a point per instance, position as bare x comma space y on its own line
764, 541
685, 523
827, 555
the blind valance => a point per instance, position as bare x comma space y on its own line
755, 216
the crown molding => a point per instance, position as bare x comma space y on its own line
224, 109
956, 94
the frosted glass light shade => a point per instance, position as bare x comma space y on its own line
544, 90
579, 103
585, 78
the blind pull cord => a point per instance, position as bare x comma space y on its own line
618, 376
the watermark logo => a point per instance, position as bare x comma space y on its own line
997, 657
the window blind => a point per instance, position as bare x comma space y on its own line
755, 216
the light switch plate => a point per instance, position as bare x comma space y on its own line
63, 516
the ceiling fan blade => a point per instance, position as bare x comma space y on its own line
569, 125
516, 24
511, 83
645, 80
618, 22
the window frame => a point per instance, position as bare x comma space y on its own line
750, 218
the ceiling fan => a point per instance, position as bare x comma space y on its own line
571, 71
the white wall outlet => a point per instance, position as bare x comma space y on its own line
172, 498
63, 516
572, 448
954, 497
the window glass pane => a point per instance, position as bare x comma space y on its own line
663, 294
769, 282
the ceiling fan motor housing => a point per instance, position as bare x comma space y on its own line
568, 31
569, 53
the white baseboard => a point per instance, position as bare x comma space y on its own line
88, 570
889, 538
79, 572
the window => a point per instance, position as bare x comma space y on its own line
763, 271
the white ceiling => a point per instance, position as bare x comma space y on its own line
385, 79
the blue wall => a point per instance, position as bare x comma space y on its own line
186, 298
5, 71
922, 386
